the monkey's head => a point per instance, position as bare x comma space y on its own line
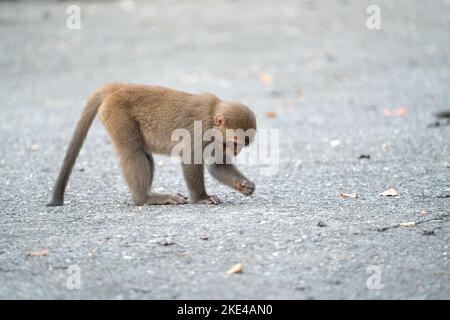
237, 124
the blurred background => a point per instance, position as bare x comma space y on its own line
313, 63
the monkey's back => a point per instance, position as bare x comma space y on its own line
158, 111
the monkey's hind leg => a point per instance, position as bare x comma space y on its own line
160, 198
137, 166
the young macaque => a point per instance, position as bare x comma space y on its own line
140, 120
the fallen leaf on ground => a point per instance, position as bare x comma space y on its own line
237, 268
127, 5
166, 242
321, 224
386, 146
390, 193
347, 195
408, 224
204, 238
335, 143
424, 212
364, 156
40, 253
265, 78
443, 114
271, 114
34, 147
396, 112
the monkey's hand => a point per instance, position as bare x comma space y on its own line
245, 187
208, 200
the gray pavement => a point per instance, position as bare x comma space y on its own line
330, 81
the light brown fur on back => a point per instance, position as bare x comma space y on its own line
140, 120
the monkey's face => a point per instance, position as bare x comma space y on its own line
237, 126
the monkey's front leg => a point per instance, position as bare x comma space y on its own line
229, 175
193, 174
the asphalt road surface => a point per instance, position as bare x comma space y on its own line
313, 72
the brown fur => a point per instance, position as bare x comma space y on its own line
140, 120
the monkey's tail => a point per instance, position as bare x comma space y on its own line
82, 128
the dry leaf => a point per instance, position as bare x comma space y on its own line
237, 268
346, 195
397, 112
386, 146
166, 242
408, 224
390, 193
271, 114
127, 5
34, 147
424, 212
335, 143
265, 78
321, 224
39, 253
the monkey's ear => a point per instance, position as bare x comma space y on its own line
219, 120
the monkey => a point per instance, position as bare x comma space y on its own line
140, 119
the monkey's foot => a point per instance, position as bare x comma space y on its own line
208, 200
159, 198
245, 187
